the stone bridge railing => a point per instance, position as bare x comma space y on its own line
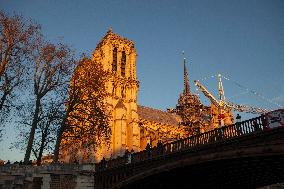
238, 129
29, 169
53, 176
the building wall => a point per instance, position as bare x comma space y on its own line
122, 94
152, 132
128, 130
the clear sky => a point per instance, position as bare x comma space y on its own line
242, 39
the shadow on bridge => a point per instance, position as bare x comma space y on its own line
243, 155
246, 172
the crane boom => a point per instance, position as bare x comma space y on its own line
222, 98
223, 104
207, 93
248, 109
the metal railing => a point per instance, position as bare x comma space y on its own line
238, 129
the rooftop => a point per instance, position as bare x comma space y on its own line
159, 116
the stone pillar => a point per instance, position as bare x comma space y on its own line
132, 62
133, 126
119, 139
46, 181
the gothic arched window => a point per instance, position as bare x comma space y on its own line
114, 60
123, 63
123, 92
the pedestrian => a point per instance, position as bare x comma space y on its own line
126, 152
238, 124
127, 156
131, 155
160, 147
238, 118
148, 150
103, 164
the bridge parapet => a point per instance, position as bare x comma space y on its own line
247, 138
238, 129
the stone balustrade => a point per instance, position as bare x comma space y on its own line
238, 129
54, 176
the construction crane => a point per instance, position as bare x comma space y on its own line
222, 100
207, 93
247, 108
220, 112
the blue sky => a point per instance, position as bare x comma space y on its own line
242, 39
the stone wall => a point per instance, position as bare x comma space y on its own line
47, 177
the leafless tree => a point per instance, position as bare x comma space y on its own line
16, 38
45, 134
48, 127
46, 69
52, 67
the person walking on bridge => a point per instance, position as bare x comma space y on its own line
238, 125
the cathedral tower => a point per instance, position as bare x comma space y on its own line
190, 108
118, 55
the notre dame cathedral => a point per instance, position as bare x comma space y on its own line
133, 126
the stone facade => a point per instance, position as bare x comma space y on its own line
118, 55
193, 113
134, 126
47, 177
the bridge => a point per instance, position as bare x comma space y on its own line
248, 154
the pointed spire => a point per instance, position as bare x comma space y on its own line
186, 89
109, 30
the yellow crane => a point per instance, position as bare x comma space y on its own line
221, 111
